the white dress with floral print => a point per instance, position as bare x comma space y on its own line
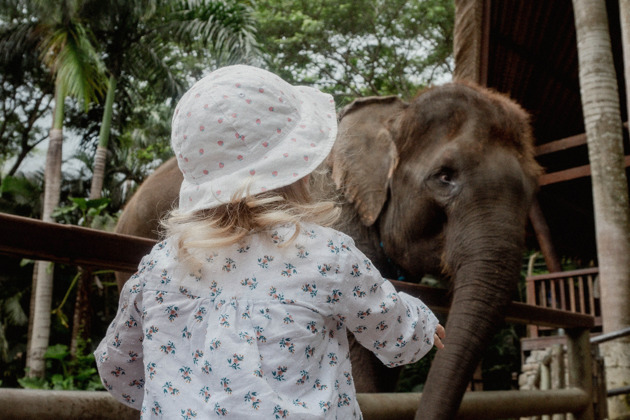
259, 331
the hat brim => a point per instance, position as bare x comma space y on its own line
304, 148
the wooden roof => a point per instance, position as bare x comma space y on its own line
527, 49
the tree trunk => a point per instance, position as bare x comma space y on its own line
31, 306
98, 175
100, 159
40, 334
82, 317
600, 103
82, 313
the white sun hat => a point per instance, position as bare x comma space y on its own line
242, 126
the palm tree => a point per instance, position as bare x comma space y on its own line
56, 30
139, 37
602, 118
139, 43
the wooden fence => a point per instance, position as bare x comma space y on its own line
574, 291
22, 237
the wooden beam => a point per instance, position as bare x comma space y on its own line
543, 235
32, 238
522, 313
73, 405
563, 274
16, 404
478, 405
439, 301
23, 237
562, 144
566, 175
570, 174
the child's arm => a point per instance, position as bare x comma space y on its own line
397, 327
119, 355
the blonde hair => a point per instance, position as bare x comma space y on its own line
206, 230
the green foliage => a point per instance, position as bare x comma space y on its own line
146, 140
414, 376
502, 358
84, 212
69, 53
225, 27
21, 195
358, 48
11, 314
58, 311
66, 373
65, 45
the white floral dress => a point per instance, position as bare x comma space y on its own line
259, 331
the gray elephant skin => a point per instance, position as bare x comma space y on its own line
438, 186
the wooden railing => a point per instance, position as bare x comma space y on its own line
21, 237
575, 291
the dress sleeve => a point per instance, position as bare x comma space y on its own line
119, 355
397, 327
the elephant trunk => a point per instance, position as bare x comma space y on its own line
484, 262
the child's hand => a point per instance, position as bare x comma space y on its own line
440, 333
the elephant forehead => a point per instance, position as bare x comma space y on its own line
466, 147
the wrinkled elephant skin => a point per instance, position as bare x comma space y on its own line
442, 186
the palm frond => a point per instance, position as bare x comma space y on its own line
17, 37
152, 64
71, 56
4, 344
13, 311
224, 27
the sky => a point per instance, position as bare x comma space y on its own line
36, 159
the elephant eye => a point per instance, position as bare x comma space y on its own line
443, 182
445, 176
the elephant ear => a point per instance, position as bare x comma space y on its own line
364, 156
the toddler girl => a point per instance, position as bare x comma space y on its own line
242, 310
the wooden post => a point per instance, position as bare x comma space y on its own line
557, 373
599, 385
543, 235
580, 367
545, 379
468, 40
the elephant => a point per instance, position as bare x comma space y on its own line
439, 186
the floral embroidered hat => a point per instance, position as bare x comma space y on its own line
244, 126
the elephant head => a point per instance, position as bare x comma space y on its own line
442, 186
